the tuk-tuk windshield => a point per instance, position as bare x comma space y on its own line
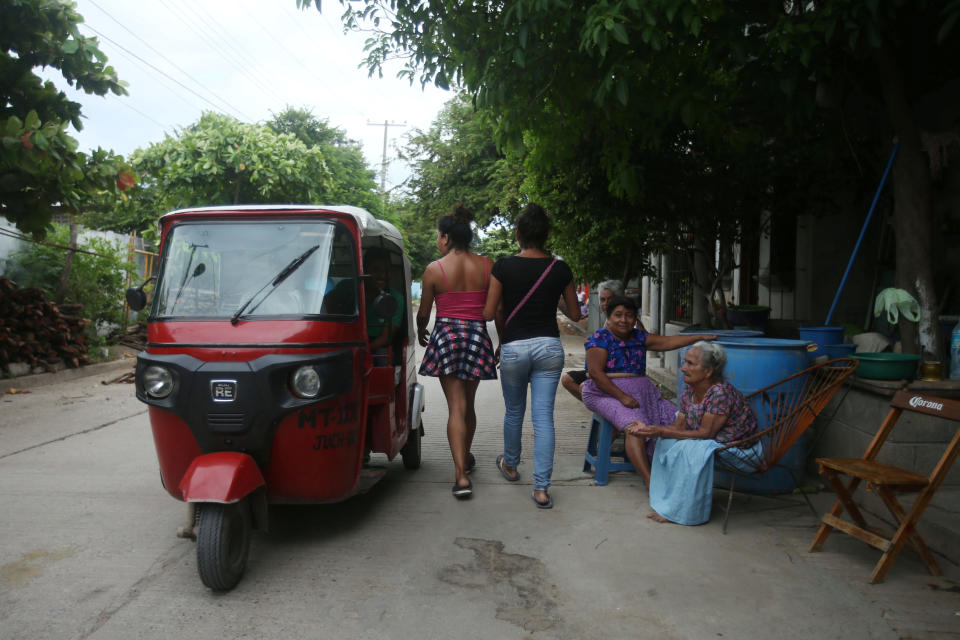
211, 269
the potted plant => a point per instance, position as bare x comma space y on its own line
749, 315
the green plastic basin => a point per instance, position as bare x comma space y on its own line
887, 366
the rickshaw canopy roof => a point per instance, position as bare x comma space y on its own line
370, 226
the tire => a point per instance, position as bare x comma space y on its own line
411, 450
223, 543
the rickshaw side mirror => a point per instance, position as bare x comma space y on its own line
137, 297
385, 305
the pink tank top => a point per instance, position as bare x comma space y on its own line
465, 305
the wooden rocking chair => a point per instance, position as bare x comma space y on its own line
784, 410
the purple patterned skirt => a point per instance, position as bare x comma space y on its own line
460, 348
654, 409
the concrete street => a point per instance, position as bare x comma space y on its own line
87, 548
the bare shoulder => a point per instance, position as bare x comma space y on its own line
430, 272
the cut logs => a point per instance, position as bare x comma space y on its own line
36, 335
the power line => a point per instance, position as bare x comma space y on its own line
284, 47
297, 22
225, 104
242, 60
206, 38
158, 80
158, 70
383, 166
150, 118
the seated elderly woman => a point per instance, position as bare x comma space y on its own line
712, 413
618, 388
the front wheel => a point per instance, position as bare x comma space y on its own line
411, 450
223, 543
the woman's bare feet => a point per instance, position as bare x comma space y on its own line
656, 517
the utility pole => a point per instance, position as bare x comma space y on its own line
383, 163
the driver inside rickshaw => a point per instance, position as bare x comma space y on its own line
376, 262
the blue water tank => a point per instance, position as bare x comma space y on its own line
754, 363
818, 337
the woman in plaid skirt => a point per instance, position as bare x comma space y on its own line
459, 351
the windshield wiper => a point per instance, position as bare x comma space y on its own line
275, 281
186, 274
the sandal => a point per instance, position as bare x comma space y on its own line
471, 463
503, 471
542, 505
462, 493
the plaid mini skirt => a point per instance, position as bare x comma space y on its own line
460, 348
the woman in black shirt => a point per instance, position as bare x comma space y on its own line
523, 298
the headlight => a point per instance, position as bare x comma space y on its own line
157, 381
306, 382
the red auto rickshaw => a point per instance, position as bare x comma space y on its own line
259, 374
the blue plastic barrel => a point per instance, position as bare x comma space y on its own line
818, 337
752, 364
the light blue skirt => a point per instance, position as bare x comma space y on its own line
681, 477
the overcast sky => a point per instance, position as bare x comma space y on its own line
246, 58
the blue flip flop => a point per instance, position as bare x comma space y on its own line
503, 471
542, 505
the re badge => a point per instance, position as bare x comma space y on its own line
223, 390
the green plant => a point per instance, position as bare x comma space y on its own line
96, 281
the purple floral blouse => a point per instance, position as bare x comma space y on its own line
722, 399
623, 356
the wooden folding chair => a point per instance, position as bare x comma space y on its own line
784, 411
885, 479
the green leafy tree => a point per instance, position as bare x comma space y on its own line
352, 181
97, 278
682, 80
457, 160
497, 241
40, 167
220, 160
419, 233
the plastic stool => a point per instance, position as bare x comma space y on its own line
598, 451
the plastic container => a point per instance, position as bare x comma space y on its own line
835, 351
955, 353
887, 366
754, 363
817, 337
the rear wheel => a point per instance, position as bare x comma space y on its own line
223, 543
411, 450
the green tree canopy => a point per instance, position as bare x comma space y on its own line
353, 182
40, 167
220, 160
709, 88
457, 160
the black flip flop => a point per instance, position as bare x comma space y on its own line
503, 471
542, 505
463, 493
471, 463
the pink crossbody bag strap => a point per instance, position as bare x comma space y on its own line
530, 293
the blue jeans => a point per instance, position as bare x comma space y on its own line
537, 362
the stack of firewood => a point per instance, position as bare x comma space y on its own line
134, 337
37, 335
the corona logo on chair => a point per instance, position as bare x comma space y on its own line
919, 401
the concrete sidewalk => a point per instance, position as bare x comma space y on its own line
692, 582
